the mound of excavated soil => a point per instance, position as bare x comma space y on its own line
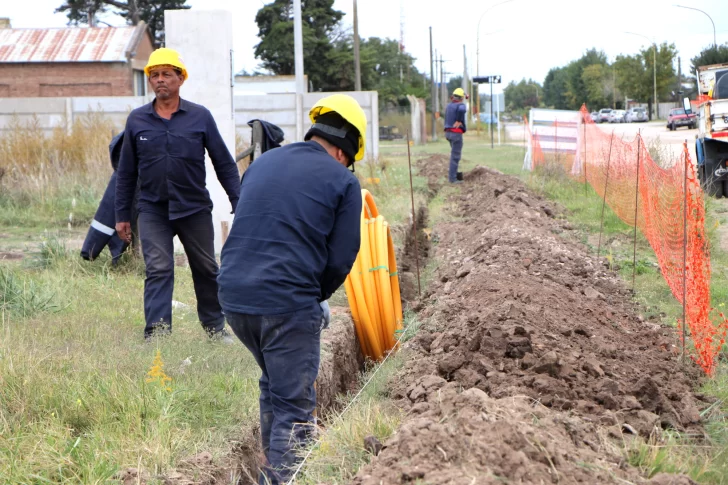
532, 364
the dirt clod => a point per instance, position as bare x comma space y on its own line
668, 479
372, 445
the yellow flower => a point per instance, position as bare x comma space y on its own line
156, 373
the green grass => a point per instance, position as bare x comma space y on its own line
74, 204
74, 404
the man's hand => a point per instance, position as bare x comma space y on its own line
457, 124
124, 231
325, 314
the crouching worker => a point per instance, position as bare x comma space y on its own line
294, 239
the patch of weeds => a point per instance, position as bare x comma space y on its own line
21, 296
51, 252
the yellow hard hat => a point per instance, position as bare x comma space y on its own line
165, 57
459, 93
346, 107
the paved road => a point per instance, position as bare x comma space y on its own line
668, 144
655, 132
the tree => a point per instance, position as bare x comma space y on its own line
150, 11
391, 72
635, 76
521, 96
320, 31
599, 85
633, 80
577, 93
329, 55
709, 55
555, 87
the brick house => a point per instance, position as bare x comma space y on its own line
73, 61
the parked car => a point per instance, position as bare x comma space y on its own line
595, 116
604, 115
635, 115
389, 133
677, 118
616, 116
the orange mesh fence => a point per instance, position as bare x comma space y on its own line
666, 205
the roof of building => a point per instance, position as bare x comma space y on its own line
72, 44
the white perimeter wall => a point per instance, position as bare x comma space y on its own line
279, 109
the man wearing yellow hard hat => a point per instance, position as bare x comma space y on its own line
164, 152
294, 239
454, 129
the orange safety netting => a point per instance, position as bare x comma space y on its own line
666, 204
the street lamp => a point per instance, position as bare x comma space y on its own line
477, 42
654, 69
715, 44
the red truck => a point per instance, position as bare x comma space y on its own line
677, 118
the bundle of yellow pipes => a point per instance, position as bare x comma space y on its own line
372, 287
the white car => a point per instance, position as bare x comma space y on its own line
617, 116
604, 115
638, 114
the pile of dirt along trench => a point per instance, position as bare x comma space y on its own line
532, 364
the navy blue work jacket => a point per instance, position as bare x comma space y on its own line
295, 235
455, 112
168, 159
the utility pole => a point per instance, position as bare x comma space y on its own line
437, 84
443, 87
432, 90
491, 112
464, 84
357, 65
679, 81
298, 53
654, 78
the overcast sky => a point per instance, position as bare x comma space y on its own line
519, 38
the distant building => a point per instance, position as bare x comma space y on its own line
73, 61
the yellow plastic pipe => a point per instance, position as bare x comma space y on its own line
374, 276
355, 316
372, 339
394, 279
387, 308
372, 287
370, 297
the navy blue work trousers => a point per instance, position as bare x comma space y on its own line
456, 151
197, 236
287, 349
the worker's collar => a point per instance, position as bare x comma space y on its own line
317, 146
183, 106
320, 147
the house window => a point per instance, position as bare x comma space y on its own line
140, 83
